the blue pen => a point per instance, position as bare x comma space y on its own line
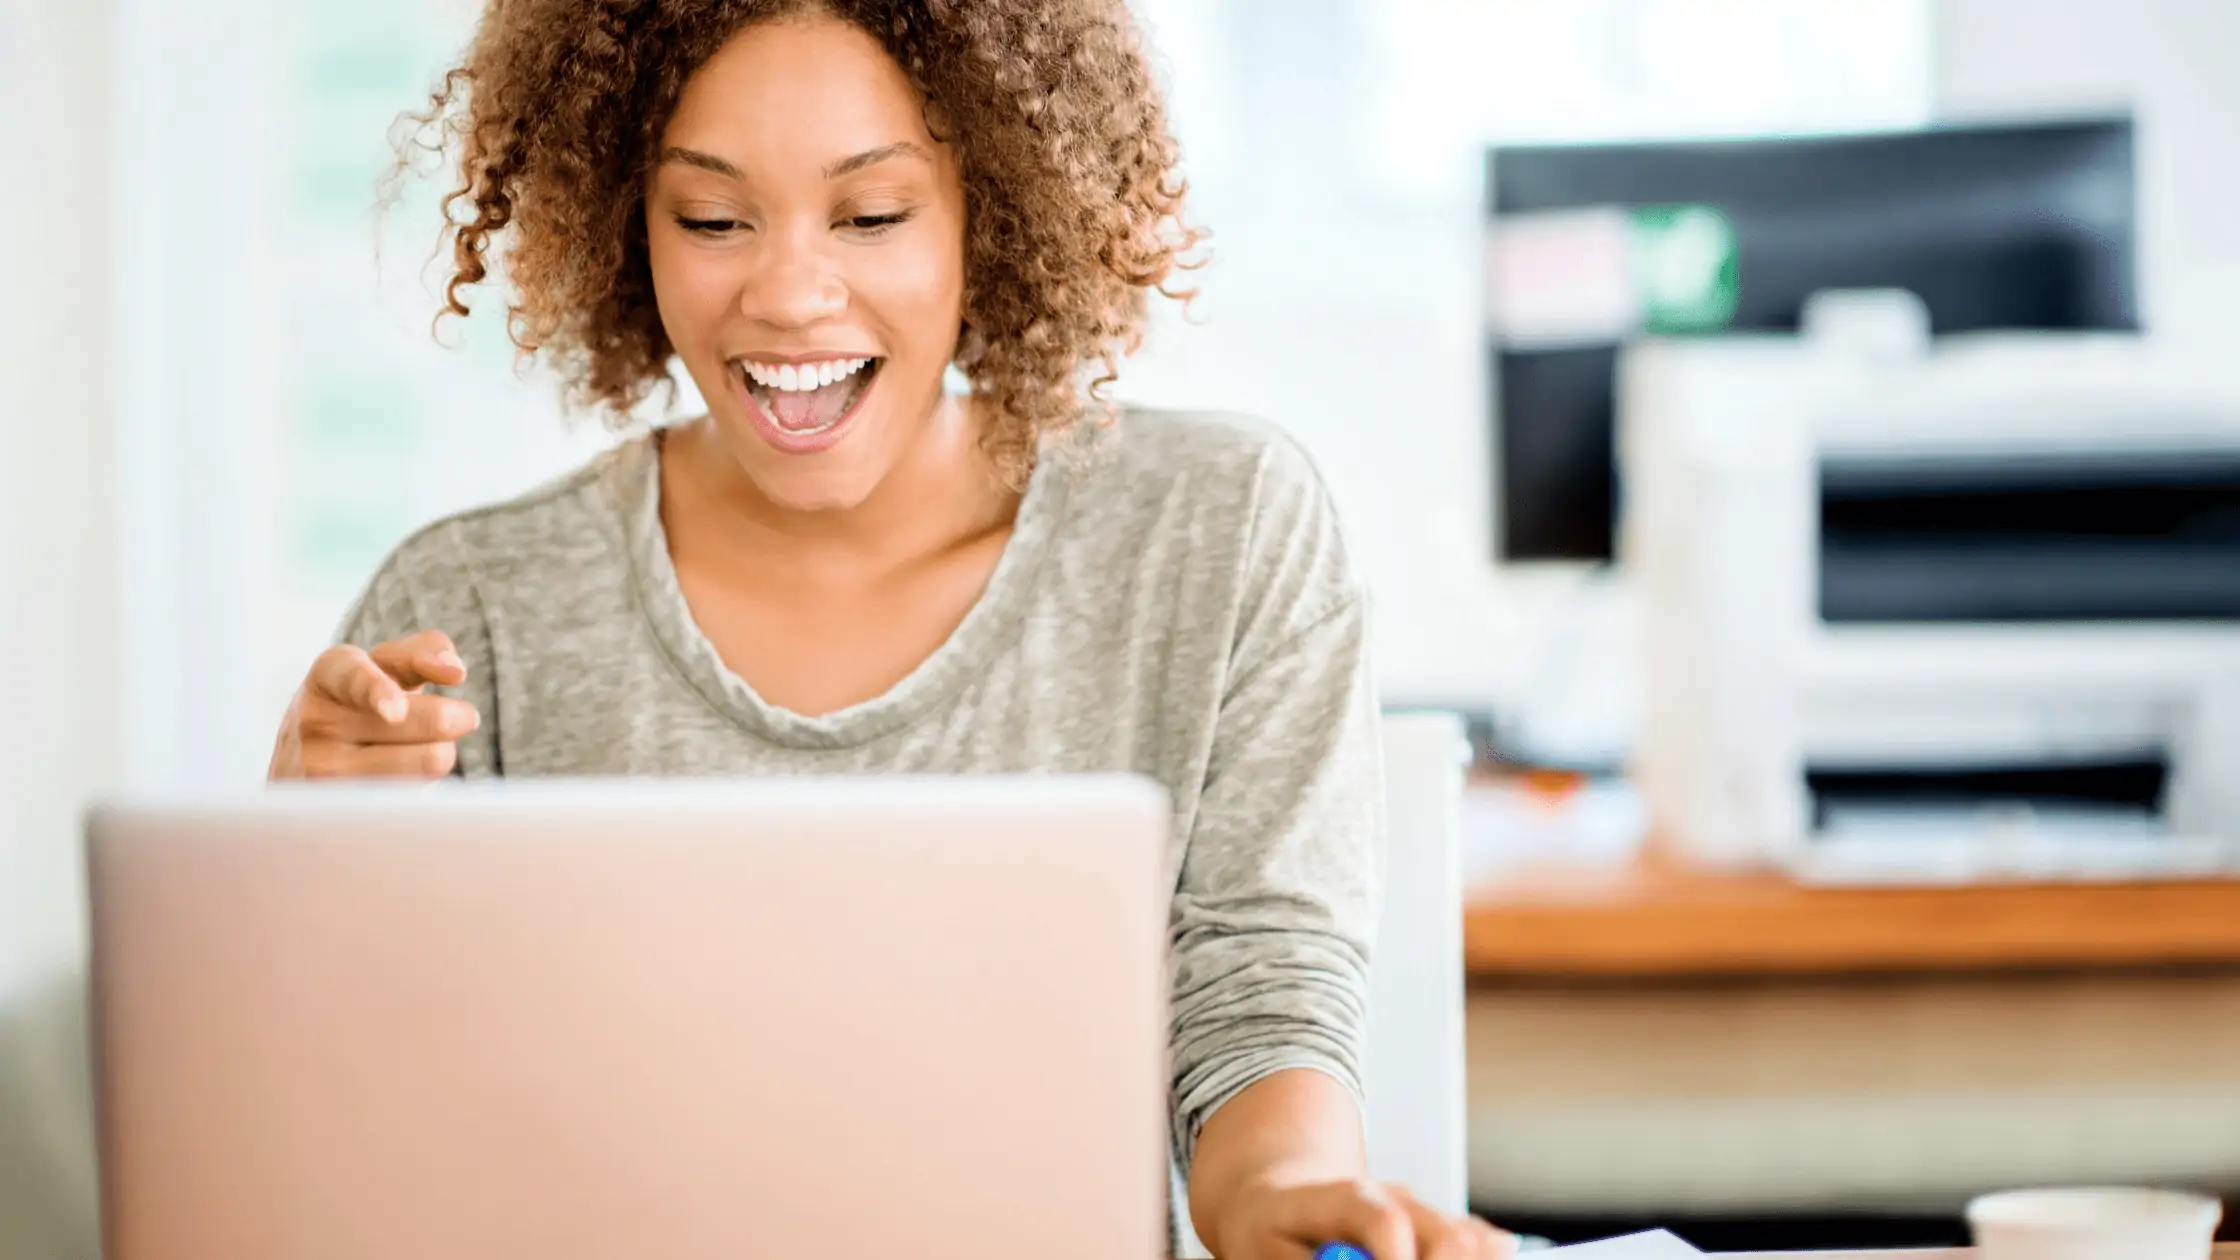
1340, 1251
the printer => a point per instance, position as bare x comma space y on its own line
1946, 614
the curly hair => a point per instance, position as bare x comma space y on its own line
1073, 195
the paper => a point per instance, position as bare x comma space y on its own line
1657, 1245
1562, 278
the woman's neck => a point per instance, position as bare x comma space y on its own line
942, 493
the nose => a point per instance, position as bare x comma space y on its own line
796, 285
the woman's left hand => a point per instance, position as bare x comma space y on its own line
1288, 1222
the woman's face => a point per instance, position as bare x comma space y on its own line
806, 234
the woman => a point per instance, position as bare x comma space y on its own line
818, 210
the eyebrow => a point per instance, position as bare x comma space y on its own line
835, 170
872, 157
705, 161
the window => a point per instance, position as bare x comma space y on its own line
1302, 116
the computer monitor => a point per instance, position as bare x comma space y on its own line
2026, 226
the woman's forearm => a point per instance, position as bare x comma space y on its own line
1296, 1127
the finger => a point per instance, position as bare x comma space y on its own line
347, 676
1443, 1237
1438, 1236
427, 720
1463, 1238
427, 657
379, 761
1354, 1212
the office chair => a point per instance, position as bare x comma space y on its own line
1413, 1070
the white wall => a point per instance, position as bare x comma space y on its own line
61, 700
192, 142
2178, 63
59, 632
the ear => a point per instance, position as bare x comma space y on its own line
972, 344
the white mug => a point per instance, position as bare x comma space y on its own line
2094, 1223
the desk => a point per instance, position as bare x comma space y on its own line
1657, 918
1605, 1080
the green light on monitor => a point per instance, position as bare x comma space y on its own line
1684, 261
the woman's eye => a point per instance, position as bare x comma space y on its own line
874, 222
706, 227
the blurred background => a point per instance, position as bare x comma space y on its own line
1803, 438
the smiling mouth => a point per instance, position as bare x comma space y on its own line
803, 400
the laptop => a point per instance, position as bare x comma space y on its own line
840, 1018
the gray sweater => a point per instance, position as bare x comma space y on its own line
1175, 600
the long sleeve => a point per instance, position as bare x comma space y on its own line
1281, 877
392, 607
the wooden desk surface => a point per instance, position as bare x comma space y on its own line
1657, 918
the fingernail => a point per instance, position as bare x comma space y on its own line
450, 660
393, 708
460, 721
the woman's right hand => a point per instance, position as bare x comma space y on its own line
363, 715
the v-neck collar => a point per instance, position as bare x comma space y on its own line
635, 485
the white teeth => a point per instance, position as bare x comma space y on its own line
797, 378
